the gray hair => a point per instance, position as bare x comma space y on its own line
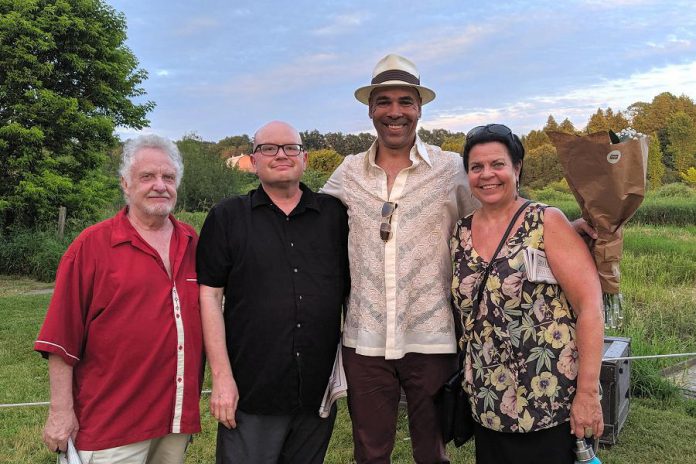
132, 146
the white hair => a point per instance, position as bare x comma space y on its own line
133, 146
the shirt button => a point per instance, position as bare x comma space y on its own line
292, 244
295, 270
299, 325
300, 297
287, 218
179, 380
297, 354
181, 347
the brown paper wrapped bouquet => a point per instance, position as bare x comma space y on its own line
606, 173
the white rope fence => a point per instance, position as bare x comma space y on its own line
46, 403
621, 358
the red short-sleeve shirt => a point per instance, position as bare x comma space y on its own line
132, 334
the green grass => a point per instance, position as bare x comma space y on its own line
674, 204
659, 287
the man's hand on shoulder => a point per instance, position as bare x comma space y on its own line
223, 401
60, 425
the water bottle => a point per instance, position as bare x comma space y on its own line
584, 454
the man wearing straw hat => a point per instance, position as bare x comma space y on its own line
403, 198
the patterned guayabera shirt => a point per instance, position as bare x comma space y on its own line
400, 289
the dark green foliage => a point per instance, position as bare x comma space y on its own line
348, 144
673, 204
666, 211
207, 179
325, 161
535, 139
438, 137
690, 407
656, 165
551, 124
343, 144
681, 134
433, 137
66, 80
647, 382
234, 146
34, 253
541, 167
313, 140
605, 121
314, 179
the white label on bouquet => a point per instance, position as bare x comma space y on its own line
538, 269
614, 156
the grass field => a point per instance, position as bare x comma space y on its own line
659, 286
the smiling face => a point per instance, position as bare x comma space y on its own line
279, 170
150, 188
492, 174
395, 112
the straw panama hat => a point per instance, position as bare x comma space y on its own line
395, 71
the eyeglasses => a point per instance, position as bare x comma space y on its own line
271, 149
388, 209
496, 129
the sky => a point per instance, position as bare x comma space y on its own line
219, 68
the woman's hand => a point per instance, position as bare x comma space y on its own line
586, 418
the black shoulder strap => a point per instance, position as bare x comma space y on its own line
482, 285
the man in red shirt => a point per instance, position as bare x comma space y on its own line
122, 333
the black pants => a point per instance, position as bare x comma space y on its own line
549, 446
296, 439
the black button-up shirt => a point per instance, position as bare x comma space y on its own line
285, 280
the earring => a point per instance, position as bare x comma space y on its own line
517, 188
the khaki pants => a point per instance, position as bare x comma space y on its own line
168, 449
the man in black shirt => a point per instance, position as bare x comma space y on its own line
279, 257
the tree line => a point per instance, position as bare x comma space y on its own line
669, 120
67, 79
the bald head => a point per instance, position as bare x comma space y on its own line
276, 130
283, 160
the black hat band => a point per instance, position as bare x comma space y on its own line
395, 75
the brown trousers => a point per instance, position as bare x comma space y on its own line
374, 389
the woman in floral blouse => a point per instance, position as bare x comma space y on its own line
532, 348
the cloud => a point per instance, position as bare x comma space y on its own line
341, 24
162, 73
577, 105
614, 4
197, 25
446, 46
671, 41
304, 72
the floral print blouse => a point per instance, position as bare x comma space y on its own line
520, 361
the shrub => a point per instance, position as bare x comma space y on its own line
35, 253
194, 219
674, 190
315, 179
690, 407
325, 161
678, 211
560, 186
207, 179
